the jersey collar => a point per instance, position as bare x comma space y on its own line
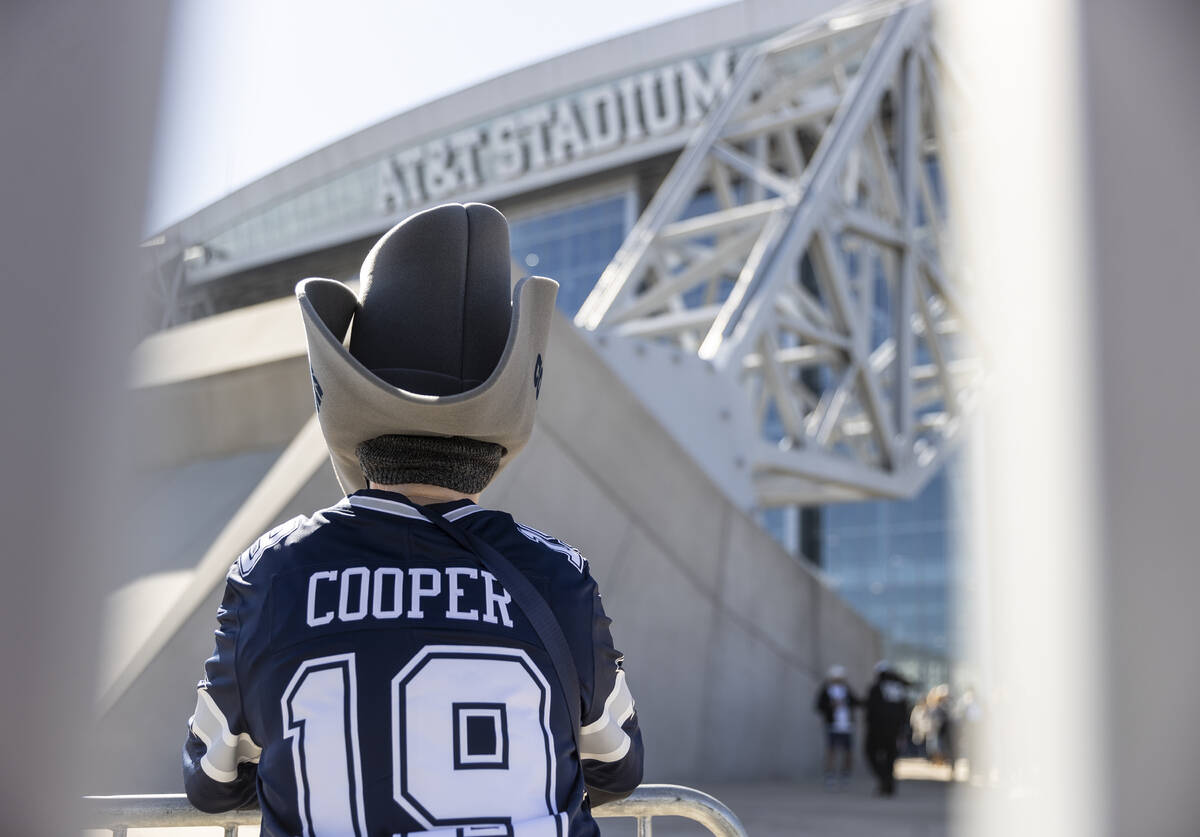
385, 502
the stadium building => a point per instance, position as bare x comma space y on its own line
760, 371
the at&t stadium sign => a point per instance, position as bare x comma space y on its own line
593, 122
590, 130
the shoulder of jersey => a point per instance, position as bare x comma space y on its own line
269, 542
558, 550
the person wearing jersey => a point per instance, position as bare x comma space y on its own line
371, 676
835, 703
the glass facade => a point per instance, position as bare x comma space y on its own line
897, 562
782, 524
338, 202
571, 244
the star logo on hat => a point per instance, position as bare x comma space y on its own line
318, 393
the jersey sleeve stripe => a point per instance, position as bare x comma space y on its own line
604, 739
224, 751
571, 553
612, 755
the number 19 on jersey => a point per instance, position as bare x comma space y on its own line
470, 741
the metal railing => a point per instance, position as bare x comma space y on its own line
172, 810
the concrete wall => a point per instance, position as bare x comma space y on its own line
725, 634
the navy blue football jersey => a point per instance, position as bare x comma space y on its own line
370, 678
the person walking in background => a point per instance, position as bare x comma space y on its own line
944, 727
887, 710
934, 715
835, 703
918, 721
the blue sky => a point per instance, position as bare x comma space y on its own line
250, 86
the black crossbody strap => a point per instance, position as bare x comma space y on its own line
530, 601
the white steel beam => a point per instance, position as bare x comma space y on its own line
819, 287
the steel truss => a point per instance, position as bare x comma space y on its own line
798, 247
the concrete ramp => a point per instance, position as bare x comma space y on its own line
725, 634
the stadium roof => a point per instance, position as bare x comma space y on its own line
742, 21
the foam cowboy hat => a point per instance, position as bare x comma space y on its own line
437, 346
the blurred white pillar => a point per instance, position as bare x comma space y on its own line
1018, 198
78, 86
1076, 192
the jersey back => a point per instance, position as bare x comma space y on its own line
370, 678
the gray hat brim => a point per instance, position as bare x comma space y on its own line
354, 404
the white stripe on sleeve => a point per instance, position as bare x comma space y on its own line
224, 750
603, 739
